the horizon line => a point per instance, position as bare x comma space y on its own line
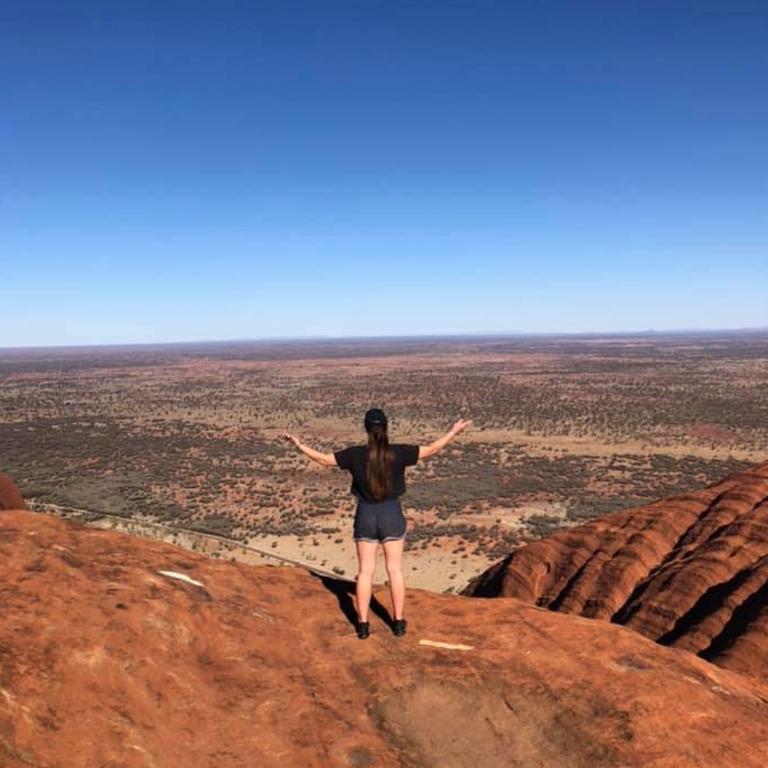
395, 337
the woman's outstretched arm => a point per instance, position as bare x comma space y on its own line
323, 459
425, 451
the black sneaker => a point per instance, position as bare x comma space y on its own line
398, 627
363, 629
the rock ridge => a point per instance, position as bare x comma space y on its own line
689, 571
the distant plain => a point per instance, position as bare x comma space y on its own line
566, 428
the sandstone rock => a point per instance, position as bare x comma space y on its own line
122, 652
10, 496
689, 571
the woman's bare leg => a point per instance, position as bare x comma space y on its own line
366, 565
393, 552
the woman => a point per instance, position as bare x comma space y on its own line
378, 480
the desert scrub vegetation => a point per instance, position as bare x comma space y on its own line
187, 435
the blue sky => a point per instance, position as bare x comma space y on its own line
213, 170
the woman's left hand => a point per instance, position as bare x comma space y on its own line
290, 438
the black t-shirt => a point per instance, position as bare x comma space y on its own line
355, 459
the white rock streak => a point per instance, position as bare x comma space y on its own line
450, 646
182, 577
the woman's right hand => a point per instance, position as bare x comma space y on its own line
461, 425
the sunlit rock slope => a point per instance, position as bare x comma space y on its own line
117, 652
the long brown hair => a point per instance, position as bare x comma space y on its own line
378, 468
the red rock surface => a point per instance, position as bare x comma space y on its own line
10, 496
106, 662
690, 571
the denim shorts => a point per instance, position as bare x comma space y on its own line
379, 520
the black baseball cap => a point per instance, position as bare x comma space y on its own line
374, 416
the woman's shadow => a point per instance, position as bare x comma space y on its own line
343, 590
